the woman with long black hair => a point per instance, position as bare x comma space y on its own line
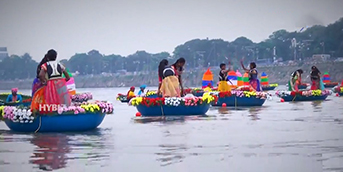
161, 67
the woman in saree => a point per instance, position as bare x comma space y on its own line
161, 67
317, 83
178, 69
36, 82
253, 76
54, 90
295, 81
170, 86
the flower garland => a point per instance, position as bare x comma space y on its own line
303, 93
261, 95
17, 114
83, 97
172, 101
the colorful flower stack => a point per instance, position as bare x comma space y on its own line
71, 84
264, 80
83, 97
261, 95
239, 79
97, 106
232, 77
207, 79
246, 79
327, 82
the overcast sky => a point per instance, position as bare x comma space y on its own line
125, 26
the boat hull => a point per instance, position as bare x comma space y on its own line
268, 88
240, 101
290, 98
59, 123
173, 110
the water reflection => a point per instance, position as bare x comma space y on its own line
317, 106
254, 111
171, 154
51, 151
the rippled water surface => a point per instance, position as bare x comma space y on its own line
278, 137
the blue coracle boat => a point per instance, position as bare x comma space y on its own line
59, 123
240, 101
173, 110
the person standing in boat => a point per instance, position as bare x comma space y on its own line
223, 86
171, 80
315, 79
14, 97
161, 67
178, 69
36, 82
253, 76
295, 81
54, 90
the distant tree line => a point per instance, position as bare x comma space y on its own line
198, 53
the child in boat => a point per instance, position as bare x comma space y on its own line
223, 86
253, 76
131, 93
295, 81
14, 97
141, 92
208, 88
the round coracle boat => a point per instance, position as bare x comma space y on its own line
330, 84
78, 117
240, 98
308, 95
338, 90
173, 106
123, 98
269, 87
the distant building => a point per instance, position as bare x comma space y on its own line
3, 53
321, 57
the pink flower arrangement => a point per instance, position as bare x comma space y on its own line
192, 101
83, 97
16, 114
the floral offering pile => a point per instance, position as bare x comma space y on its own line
17, 114
306, 93
150, 93
254, 94
97, 106
338, 89
81, 97
172, 101
270, 85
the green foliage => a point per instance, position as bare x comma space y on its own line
197, 52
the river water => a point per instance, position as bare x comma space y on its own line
282, 137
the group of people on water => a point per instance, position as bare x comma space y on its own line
316, 81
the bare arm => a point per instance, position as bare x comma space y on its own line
42, 76
66, 74
245, 69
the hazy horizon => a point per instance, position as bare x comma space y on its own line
123, 27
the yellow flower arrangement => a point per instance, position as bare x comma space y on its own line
341, 89
91, 107
2, 112
136, 101
273, 85
249, 93
149, 93
316, 92
207, 98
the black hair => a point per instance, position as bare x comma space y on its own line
180, 60
253, 64
315, 69
299, 70
222, 64
44, 60
51, 55
161, 66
